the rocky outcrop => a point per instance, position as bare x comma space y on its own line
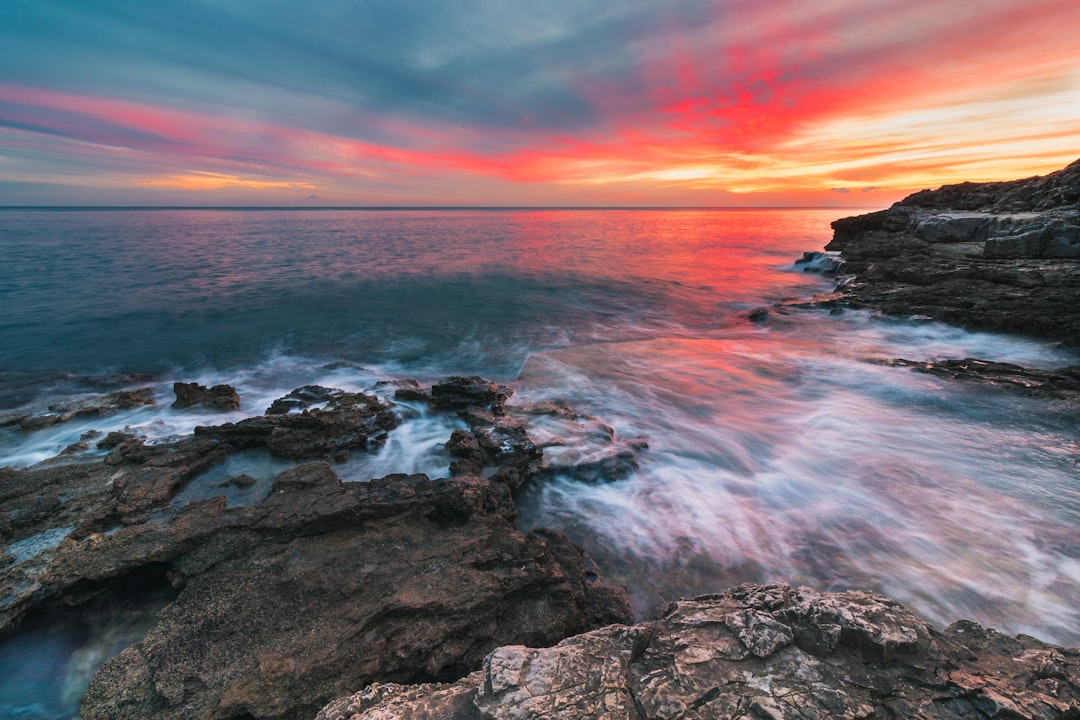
324, 587
1063, 383
310, 589
1001, 256
761, 652
82, 409
343, 422
222, 398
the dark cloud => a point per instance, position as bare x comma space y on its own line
841, 190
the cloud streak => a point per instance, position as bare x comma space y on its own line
690, 102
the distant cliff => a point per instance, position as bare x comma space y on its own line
999, 256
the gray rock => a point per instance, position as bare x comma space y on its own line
754, 652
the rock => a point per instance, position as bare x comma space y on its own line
989, 256
470, 394
326, 587
754, 652
822, 263
303, 398
758, 316
578, 446
348, 421
1063, 383
222, 398
82, 409
281, 604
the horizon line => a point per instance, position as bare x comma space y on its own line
437, 207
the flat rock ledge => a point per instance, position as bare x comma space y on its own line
1001, 256
759, 652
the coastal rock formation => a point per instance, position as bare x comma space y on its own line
324, 586
1001, 256
755, 651
86, 408
1063, 383
222, 398
306, 590
513, 444
344, 421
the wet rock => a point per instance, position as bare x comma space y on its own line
82, 409
992, 256
222, 398
822, 263
348, 421
240, 481
320, 587
113, 439
406, 389
303, 398
758, 316
754, 652
578, 446
1063, 383
469, 395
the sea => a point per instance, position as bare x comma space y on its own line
781, 450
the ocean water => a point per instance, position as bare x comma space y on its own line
780, 451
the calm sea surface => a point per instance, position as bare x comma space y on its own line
777, 452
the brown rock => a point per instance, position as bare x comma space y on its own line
348, 421
406, 579
222, 398
992, 256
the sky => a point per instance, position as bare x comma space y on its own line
832, 103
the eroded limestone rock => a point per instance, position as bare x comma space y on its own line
754, 652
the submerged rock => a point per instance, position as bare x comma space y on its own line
1001, 256
1063, 383
755, 651
82, 409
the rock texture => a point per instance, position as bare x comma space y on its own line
313, 587
342, 422
222, 398
85, 408
1063, 383
1001, 256
759, 653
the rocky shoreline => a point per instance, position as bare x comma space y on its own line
298, 595
984, 256
1000, 256
412, 597
318, 587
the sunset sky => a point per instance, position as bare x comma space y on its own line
504, 102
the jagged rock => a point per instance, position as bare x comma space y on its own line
325, 586
320, 586
754, 652
995, 256
219, 397
348, 421
470, 394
